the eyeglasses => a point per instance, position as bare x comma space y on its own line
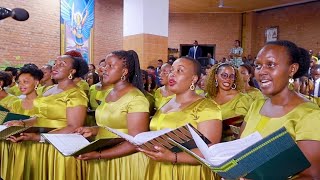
226, 76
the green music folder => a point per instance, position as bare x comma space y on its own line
8, 116
276, 156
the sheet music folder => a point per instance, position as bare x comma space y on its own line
276, 156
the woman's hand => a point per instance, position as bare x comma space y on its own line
90, 155
162, 154
87, 131
25, 137
15, 123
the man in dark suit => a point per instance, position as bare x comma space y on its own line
195, 51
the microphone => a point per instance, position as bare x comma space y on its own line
18, 14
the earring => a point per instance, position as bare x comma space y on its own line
216, 83
234, 86
291, 85
1, 88
192, 87
123, 78
70, 76
36, 87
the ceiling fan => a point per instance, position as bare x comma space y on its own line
221, 5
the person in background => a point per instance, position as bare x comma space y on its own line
211, 61
92, 68
185, 107
246, 72
13, 87
225, 86
6, 99
236, 54
315, 74
46, 82
92, 78
277, 63
162, 95
126, 109
195, 51
149, 96
157, 72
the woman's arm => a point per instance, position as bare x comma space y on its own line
137, 123
211, 129
75, 118
27, 122
311, 149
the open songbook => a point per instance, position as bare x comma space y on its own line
76, 144
6, 131
147, 140
276, 156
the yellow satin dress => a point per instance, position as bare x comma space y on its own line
41, 89
302, 122
7, 101
96, 96
255, 94
5, 146
199, 111
236, 107
114, 115
160, 100
42, 160
14, 90
83, 85
20, 156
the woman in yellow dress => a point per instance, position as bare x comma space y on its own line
185, 107
13, 87
126, 109
28, 81
162, 95
6, 101
47, 81
63, 106
246, 72
277, 64
225, 88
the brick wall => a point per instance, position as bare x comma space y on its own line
207, 28
108, 33
299, 24
37, 40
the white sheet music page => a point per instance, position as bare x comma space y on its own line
219, 153
3, 127
66, 143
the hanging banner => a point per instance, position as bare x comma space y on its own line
76, 27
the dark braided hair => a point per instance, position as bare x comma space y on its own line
134, 72
6, 78
296, 55
80, 65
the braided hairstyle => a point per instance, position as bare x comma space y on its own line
131, 62
211, 88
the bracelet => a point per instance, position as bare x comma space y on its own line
176, 158
99, 155
24, 124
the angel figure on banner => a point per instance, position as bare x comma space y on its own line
78, 16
